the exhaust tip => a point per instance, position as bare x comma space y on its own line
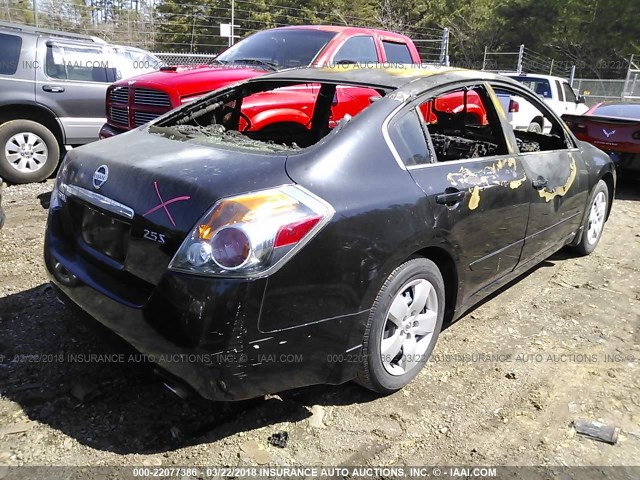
64, 276
178, 388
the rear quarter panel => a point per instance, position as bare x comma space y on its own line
381, 218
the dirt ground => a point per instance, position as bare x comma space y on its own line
504, 384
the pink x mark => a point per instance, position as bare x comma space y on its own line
164, 204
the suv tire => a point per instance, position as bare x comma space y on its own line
29, 152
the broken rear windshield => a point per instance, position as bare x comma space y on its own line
218, 135
267, 116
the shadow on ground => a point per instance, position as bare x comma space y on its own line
628, 188
113, 401
121, 406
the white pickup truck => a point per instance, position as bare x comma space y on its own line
554, 91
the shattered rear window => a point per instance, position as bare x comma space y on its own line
269, 117
218, 135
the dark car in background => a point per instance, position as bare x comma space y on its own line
615, 128
52, 90
243, 265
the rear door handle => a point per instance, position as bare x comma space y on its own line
450, 197
539, 183
53, 88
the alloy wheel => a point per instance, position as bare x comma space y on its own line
26, 152
596, 217
409, 327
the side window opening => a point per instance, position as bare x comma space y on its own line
361, 49
247, 116
463, 124
10, 46
397, 52
86, 64
408, 137
551, 135
569, 93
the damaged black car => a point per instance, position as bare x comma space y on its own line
246, 261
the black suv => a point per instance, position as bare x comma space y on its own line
52, 95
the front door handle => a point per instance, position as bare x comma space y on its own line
53, 88
450, 197
539, 183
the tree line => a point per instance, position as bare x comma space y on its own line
598, 36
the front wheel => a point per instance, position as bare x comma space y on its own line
403, 327
594, 220
29, 152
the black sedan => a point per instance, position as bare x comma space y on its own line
245, 262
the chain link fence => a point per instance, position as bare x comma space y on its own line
632, 81
196, 28
175, 59
596, 90
526, 60
432, 51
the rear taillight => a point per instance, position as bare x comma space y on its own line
253, 234
514, 107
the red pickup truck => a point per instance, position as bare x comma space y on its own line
133, 102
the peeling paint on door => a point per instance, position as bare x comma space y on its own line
549, 195
503, 172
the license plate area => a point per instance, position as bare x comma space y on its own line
103, 232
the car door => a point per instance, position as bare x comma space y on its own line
72, 82
556, 189
473, 179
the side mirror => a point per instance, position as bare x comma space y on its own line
581, 99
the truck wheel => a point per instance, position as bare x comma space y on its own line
29, 152
596, 215
403, 327
534, 127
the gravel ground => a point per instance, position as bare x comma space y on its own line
503, 386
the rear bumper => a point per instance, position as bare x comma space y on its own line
205, 331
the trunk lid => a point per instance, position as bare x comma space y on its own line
168, 185
607, 133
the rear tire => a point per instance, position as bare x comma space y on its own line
29, 152
595, 218
403, 327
